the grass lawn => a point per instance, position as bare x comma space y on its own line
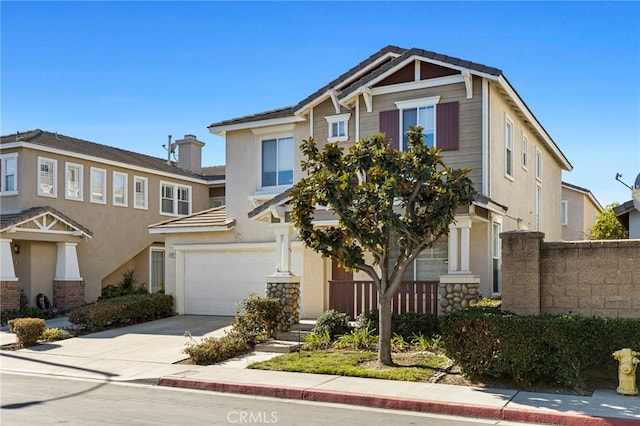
410, 366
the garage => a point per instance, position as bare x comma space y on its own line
217, 278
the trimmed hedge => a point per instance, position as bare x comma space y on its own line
121, 311
27, 330
407, 325
565, 350
332, 322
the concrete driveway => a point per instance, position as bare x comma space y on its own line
159, 341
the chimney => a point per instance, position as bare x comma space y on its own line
190, 154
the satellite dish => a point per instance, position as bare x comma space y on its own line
637, 184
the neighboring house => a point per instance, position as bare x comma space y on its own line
629, 213
579, 211
468, 110
74, 214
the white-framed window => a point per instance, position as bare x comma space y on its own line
47, 177
496, 256
538, 207
9, 171
175, 199
98, 183
277, 161
565, 212
140, 197
538, 165
525, 152
73, 175
156, 270
338, 127
419, 112
120, 193
508, 148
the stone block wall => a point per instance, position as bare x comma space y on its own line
10, 295
589, 278
68, 294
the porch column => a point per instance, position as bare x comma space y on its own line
68, 285
7, 271
9, 284
453, 249
459, 242
283, 284
465, 229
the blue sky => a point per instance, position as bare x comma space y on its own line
128, 74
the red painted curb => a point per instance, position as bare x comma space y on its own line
398, 403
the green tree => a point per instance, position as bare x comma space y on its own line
383, 198
607, 226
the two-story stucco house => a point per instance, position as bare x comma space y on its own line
74, 213
579, 212
468, 110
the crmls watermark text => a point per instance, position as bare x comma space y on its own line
252, 417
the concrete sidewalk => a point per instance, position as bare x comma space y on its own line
148, 353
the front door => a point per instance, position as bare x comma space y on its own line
156, 276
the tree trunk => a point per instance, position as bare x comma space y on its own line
384, 330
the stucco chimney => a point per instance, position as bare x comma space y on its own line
190, 153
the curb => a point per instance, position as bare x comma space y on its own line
397, 403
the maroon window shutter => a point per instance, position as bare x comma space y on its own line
447, 126
390, 124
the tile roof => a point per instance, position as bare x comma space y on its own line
79, 146
7, 220
214, 172
214, 219
395, 50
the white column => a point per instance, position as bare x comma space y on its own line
453, 249
465, 228
67, 268
7, 271
283, 248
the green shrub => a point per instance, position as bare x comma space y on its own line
317, 340
216, 349
333, 322
361, 339
257, 319
124, 287
27, 312
121, 311
398, 343
54, 334
405, 325
27, 330
565, 350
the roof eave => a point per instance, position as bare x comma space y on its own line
223, 129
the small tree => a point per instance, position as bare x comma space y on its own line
607, 226
383, 198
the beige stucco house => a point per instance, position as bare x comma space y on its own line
579, 212
468, 110
74, 213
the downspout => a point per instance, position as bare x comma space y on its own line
485, 138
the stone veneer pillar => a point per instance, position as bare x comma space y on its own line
68, 285
521, 271
457, 292
287, 289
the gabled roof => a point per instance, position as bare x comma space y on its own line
210, 220
11, 222
92, 149
584, 191
364, 75
214, 172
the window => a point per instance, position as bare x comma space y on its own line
538, 207
98, 185
175, 199
8, 169
140, 198
73, 181
338, 127
156, 273
538, 165
419, 112
508, 145
120, 197
565, 212
277, 161
525, 148
47, 177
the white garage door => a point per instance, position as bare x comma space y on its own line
215, 281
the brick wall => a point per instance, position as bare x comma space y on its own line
599, 278
68, 294
10, 295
